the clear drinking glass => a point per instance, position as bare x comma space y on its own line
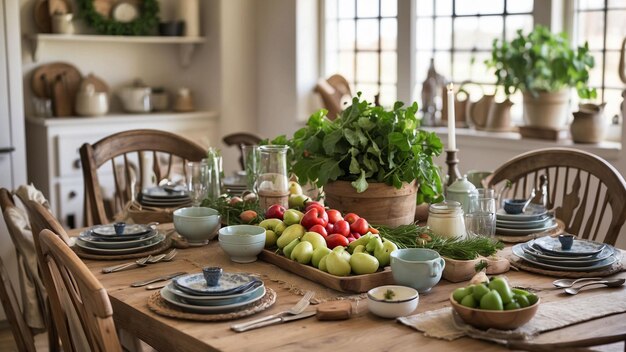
214, 174
251, 163
197, 180
480, 219
272, 183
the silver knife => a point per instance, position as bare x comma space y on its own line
278, 320
156, 279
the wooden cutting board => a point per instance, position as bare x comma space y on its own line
61, 102
43, 82
43, 22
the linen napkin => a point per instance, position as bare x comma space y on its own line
443, 324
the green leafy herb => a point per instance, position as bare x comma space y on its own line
389, 295
541, 61
230, 212
367, 143
414, 236
144, 24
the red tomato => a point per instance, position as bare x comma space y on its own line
351, 218
372, 230
335, 240
334, 215
319, 229
342, 227
360, 225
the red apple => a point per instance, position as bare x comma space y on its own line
319, 229
351, 218
314, 216
334, 215
342, 227
275, 211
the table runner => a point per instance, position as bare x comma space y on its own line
442, 324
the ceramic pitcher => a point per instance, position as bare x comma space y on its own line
499, 116
589, 125
477, 112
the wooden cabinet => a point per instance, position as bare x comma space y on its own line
53, 144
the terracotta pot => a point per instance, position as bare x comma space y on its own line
547, 109
589, 125
380, 204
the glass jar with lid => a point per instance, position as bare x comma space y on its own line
272, 184
446, 219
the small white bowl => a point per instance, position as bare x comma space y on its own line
403, 302
242, 242
198, 225
243, 253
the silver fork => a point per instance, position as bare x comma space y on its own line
298, 308
151, 260
114, 268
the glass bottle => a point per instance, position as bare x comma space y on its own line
272, 182
446, 219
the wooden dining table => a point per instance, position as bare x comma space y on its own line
362, 332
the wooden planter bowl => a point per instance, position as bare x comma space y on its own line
380, 204
496, 319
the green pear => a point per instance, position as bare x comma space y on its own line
270, 238
361, 241
502, 286
271, 224
297, 200
315, 239
373, 243
302, 253
290, 247
291, 233
322, 266
359, 249
383, 252
491, 301
363, 263
459, 293
479, 291
295, 188
337, 265
292, 216
521, 300
318, 254
512, 305
469, 301
342, 251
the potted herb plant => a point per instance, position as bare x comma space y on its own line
544, 67
370, 161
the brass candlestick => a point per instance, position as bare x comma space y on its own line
453, 170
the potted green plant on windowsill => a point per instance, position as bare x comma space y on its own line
371, 161
544, 67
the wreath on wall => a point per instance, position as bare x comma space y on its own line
146, 21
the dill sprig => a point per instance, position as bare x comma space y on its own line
230, 212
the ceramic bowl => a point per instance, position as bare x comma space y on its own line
403, 302
198, 225
242, 242
514, 206
497, 319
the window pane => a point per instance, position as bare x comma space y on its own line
443, 33
346, 65
591, 28
346, 34
367, 67
330, 8
424, 8
513, 23
616, 4
444, 7
388, 95
388, 31
471, 66
489, 28
612, 70
422, 60
346, 8
595, 75
424, 35
613, 98
442, 64
616, 28
519, 6
462, 70
465, 30
472, 7
367, 8
389, 70
367, 34
368, 90
389, 8
590, 4
476, 32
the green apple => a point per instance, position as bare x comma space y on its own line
502, 286
289, 234
469, 301
491, 301
323, 266
383, 253
363, 263
479, 291
512, 305
290, 247
532, 299
294, 188
362, 241
459, 293
518, 291
318, 254
337, 265
292, 216
315, 239
302, 253
522, 300
342, 251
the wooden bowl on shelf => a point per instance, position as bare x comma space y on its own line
496, 319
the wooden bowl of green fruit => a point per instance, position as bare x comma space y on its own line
494, 304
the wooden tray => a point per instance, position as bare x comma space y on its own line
353, 283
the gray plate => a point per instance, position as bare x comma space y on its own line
580, 247
519, 252
522, 232
526, 224
160, 192
171, 298
537, 253
567, 261
215, 300
95, 241
195, 283
533, 212
130, 230
88, 247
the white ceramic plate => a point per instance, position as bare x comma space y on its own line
525, 224
171, 298
97, 242
88, 247
215, 300
522, 232
518, 251
160, 192
533, 212
195, 283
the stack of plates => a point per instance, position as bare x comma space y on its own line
546, 252
235, 185
234, 290
165, 197
102, 239
534, 219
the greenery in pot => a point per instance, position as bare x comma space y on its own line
367, 143
541, 62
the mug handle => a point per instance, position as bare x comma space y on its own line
437, 267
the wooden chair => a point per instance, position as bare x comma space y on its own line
333, 91
240, 139
581, 186
169, 152
21, 332
75, 294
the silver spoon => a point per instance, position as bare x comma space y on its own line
564, 283
607, 283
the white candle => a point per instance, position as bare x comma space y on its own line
451, 118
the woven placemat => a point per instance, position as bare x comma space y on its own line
158, 305
161, 247
560, 228
524, 265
